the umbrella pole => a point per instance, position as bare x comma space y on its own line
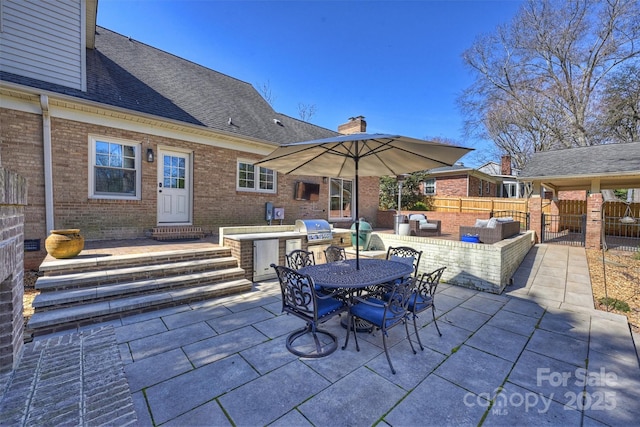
355, 193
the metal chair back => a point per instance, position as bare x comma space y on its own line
299, 258
405, 253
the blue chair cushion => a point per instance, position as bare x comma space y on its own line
418, 303
373, 314
329, 305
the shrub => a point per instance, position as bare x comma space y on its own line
615, 304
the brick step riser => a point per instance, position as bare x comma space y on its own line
132, 277
143, 261
139, 310
152, 288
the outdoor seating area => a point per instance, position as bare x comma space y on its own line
376, 294
492, 230
420, 225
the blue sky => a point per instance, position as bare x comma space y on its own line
398, 63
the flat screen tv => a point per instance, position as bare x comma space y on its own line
307, 191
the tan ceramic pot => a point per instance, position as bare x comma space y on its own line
64, 243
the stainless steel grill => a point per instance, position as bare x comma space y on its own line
317, 230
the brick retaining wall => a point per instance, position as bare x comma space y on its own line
13, 198
484, 267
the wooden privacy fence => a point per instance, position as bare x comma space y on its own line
478, 204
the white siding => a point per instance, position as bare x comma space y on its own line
44, 40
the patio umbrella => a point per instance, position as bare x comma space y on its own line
355, 155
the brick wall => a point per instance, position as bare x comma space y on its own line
450, 221
13, 198
452, 186
216, 202
484, 267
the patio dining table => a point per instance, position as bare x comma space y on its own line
345, 275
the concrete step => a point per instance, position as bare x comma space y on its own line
83, 295
44, 322
85, 263
125, 275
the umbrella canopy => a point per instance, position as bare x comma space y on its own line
361, 154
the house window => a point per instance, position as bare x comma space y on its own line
340, 199
487, 188
430, 187
254, 178
114, 169
480, 189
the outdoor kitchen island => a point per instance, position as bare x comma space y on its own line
256, 247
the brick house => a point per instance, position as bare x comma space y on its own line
460, 181
489, 180
116, 137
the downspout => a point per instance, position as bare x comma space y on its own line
48, 174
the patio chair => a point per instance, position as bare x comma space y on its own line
299, 258
299, 298
420, 226
405, 254
335, 253
383, 315
423, 298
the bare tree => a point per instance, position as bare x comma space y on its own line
267, 93
537, 79
621, 105
306, 111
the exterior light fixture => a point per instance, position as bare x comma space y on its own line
150, 155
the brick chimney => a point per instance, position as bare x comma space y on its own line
354, 125
505, 167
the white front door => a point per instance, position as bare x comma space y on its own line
174, 187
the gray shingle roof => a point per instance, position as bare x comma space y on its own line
128, 74
609, 159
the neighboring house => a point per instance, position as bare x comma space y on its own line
460, 181
116, 137
489, 180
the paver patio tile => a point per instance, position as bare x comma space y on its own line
359, 399
550, 377
499, 342
140, 330
483, 305
548, 296
437, 401
202, 314
524, 307
155, 369
452, 337
269, 355
239, 319
548, 282
181, 394
464, 318
159, 343
570, 323
154, 314
559, 346
291, 418
411, 368
269, 397
209, 414
514, 322
445, 303
516, 406
474, 370
218, 347
142, 410
459, 292
279, 325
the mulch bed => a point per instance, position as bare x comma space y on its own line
616, 275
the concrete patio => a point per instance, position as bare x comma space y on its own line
537, 354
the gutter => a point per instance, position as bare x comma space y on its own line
48, 174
